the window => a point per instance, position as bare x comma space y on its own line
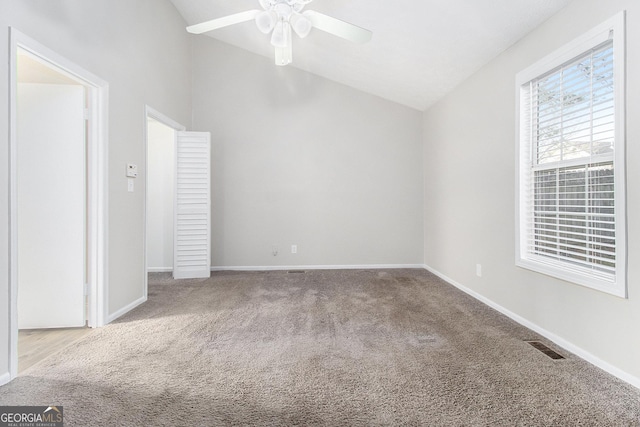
571, 180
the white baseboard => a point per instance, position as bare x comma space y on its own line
159, 269
317, 267
578, 351
126, 309
5, 378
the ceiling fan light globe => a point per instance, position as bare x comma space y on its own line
301, 25
265, 21
281, 37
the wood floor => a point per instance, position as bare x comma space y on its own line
35, 345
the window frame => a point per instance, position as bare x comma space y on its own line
613, 28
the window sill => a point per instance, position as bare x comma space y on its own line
575, 275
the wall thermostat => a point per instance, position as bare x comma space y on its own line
132, 170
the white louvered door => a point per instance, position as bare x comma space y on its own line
192, 217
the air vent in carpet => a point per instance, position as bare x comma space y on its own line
546, 350
296, 272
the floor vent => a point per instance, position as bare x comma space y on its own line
296, 271
546, 350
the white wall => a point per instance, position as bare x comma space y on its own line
141, 49
160, 195
298, 159
469, 162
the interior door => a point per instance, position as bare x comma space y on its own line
192, 213
51, 205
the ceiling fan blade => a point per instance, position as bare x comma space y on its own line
337, 27
225, 21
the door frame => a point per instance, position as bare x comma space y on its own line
151, 113
97, 184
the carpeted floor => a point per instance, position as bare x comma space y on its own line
358, 348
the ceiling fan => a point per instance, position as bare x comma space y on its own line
283, 16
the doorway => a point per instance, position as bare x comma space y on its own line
190, 166
160, 191
58, 175
51, 208
51, 194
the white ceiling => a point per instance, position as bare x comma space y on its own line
420, 50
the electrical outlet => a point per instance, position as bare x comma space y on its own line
294, 249
479, 270
274, 250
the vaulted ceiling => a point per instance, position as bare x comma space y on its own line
420, 50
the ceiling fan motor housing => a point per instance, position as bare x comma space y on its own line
295, 5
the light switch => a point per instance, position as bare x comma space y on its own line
130, 185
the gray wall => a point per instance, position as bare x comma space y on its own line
140, 48
469, 163
298, 159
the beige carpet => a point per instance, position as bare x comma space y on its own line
396, 347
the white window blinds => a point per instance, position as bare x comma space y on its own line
573, 109
571, 199
572, 192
